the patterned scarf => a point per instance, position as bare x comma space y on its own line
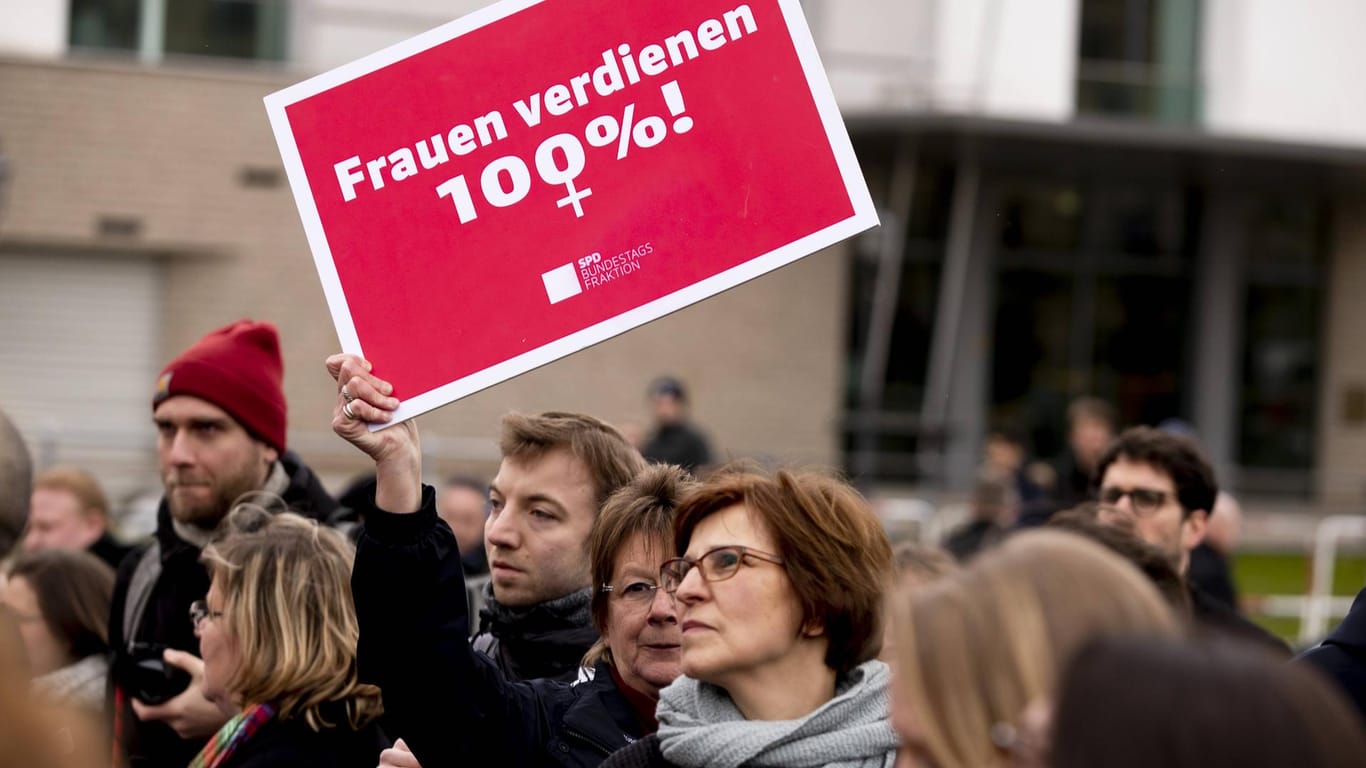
231, 736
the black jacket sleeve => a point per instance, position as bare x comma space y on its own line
448, 703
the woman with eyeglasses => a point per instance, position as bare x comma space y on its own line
779, 583
450, 705
277, 633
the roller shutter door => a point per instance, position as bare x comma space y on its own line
79, 340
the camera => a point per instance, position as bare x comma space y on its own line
145, 675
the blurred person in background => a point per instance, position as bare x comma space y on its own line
675, 440
1342, 655
33, 732
780, 586
1005, 453
917, 565
220, 415
60, 600
1091, 426
994, 507
979, 651
921, 563
543, 722
69, 510
16, 484
1165, 488
1210, 570
463, 503
1128, 702
278, 634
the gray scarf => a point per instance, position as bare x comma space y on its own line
80, 684
700, 726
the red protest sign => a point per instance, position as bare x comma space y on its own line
540, 176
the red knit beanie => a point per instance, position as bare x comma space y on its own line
238, 369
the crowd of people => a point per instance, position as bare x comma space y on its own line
640, 606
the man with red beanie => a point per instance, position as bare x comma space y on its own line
219, 410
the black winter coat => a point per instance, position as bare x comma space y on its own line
166, 620
450, 704
543, 642
292, 744
643, 754
1214, 617
1342, 655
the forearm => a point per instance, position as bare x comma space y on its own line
414, 626
398, 480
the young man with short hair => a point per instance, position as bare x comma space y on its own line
1165, 489
557, 470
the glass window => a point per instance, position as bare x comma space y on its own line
1278, 412
889, 429
105, 24
242, 29
1139, 58
1092, 298
1041, 216
1285, 231
1031, 365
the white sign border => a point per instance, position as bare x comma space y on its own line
864, 216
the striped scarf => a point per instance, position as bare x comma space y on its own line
231, 736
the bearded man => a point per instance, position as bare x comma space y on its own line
220, 416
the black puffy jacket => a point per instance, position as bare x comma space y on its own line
1342, 655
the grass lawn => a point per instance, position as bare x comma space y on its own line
1261, 573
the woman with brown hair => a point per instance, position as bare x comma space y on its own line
979, 651
35, 733
779, 584
60, 601
278, 636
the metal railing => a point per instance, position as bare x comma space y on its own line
1321, 605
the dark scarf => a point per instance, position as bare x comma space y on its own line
548, 639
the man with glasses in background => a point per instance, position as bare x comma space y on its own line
1159, 486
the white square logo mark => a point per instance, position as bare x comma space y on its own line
561, 283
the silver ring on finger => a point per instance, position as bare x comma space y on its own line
346, 409
347, 396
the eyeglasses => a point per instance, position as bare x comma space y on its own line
199, 611
1145, 501
717, 565
635, 594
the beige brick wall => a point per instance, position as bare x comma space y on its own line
168, 145
1342, 445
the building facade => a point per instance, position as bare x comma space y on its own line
1152, 201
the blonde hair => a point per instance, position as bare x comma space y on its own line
286, 586
976, 647
77, 482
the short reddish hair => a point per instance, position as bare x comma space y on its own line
78, 483
832, 544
